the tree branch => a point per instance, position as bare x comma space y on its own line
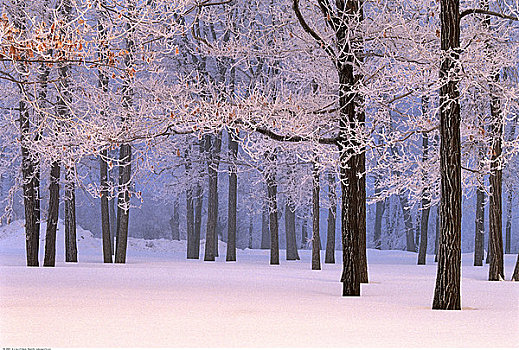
486, 12
327, 48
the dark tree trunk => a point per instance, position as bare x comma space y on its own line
112, 220
108, 246
480, 227
495, 210
251, 227
508, 227
123, 203
70, 217
265, 231
408, 223
424, 227
233, 197
332, 215
52, 216
515, 275
290, 231
273, 211
212, 148
447, 291
380, 208
125, 151
304, 234
192, 251
105, 214
195, 252
175, 222
316, 237
437, 234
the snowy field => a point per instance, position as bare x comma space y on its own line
160, 299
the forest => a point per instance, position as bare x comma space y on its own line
283, 125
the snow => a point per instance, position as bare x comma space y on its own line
161, 299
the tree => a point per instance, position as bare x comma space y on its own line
316, 238
426, 202
332, 214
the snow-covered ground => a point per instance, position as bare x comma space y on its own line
160, 299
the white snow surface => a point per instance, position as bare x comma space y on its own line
158, 298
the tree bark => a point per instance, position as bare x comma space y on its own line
105, 213
380, 208
175, 222
273, 209
508, 227
290, 231
233, 197
437, 234
408, 223
447, 291
304, 234
479, 238
426, 201
332, 215
123, 203
316, 237
515, 275
265, 231
212, 148
70, 217
52, 216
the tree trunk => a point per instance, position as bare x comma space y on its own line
447, 291
316, 237
265, 231
408, 222
495, 210
70, 217
424, 227
479, 238
273, 211
192, 245
304, 234
251, 227
332, 214
290, 231
437, 234
112, 219
52, 216
105, 214
108, 247
212, 148
175, 222
233, 197
515, 275
198, 222
380, 208
30, 173
508, 227
123, 203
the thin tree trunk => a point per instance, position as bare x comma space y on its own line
304, 234
273, 210
380, 208
233, 197
408, 222
479, 238
52, 216
332, 215
265, 231
192, 245
316, 237
70, 217
447, 291
175, 222
290, 231
508, 227
105, 214
424, 228
112, 219
198, 221
437, 234
123, 203
251, 227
